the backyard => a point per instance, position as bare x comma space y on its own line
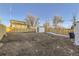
36, 44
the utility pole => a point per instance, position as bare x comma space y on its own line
10, 15
10, 11
74, 20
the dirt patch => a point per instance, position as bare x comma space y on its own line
36, 44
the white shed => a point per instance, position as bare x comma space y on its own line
40, 29
76, 32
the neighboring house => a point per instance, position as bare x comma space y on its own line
20, 26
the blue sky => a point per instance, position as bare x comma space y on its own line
43, 11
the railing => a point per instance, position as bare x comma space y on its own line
2, 31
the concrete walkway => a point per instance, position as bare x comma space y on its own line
58, 34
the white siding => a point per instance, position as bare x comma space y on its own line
76, 31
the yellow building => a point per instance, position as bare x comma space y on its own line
18, 26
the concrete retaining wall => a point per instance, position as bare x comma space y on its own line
2, 31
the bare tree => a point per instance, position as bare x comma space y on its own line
57, 20
31, 21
